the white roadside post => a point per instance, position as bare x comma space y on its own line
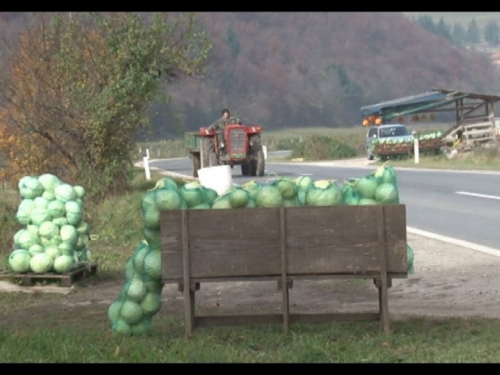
147, 153
145, 162
416, 148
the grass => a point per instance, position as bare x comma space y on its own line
38, 328
482, 160
88, 340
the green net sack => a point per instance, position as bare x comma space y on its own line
197, 196
303, 184
378, 187
235, 197
164, 196
140, 297
55, 237
350, 196
252, 188
289, 190
409, 259
324, 193
269, 195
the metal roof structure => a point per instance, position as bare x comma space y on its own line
428, 101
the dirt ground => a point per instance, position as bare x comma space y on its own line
449, 281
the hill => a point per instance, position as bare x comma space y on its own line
304, 69
317, 69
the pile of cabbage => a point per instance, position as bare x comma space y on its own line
55, 235
140, 297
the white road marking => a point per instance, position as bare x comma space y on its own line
454, 241
478, 195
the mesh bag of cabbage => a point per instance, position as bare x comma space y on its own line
140, 297
409, 259
288, 189
324, 193
303, 184
378, 187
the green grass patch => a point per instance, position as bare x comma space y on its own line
88, 340
320, 147
480, 159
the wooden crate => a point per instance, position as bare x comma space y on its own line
283, 244
66, 279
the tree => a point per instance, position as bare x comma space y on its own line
458, 34
443, 30
473, 33
427, 23
492, 33
231, 39
78, 90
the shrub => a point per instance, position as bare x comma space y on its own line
319, 147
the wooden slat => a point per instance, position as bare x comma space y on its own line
474, 125
326, 318
320, 240
225, 243
341, 239
66, 279
289, 278
189, 298
232, 320
265, 319
478, 133
382, 289
284, 282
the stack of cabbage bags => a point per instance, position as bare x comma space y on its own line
140, 297
55, 237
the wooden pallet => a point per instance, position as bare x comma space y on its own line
66, 279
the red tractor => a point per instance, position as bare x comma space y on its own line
236, 145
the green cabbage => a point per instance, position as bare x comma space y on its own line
63, 263
19, 260
49, 181
41, 263
64, 192
48, 229
30, 187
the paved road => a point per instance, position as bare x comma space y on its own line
457, 204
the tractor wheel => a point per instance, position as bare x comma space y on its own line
261, 164
256, 143
209, 155
195, 158
257, 165
245, 168
212, 159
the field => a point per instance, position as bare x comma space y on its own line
74, 328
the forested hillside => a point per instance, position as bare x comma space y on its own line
296, 69
308, 69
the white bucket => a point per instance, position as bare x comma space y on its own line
218, 178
